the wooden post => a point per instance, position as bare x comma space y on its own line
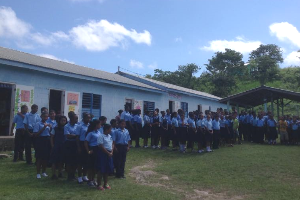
277, 109
238, 108
282, 106
272, 106
228, 105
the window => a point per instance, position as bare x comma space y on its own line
200, 108
185, 108
91, 103
149, 106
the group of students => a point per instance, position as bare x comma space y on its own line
90, 146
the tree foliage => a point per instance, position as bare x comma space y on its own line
264, 63
224, 68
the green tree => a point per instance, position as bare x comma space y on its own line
223, 69
184, 76
265, 63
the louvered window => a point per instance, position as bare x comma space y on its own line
91, 103
185, 108
149, 106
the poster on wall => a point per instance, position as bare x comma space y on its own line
72, 103
138, 104
24, 96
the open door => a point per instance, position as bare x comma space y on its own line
6, 107
56, 102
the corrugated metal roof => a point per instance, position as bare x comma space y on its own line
175, 87
18, 56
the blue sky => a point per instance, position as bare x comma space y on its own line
147, 34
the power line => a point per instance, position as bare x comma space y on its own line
131, 71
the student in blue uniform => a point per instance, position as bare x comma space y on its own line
216, 129
201, 133
44, 109
114, 127
42, 133
272, 124
70, 145
208, 132
20, 133
57, 144
182, 132
163, 129
82, 155
51, 120
126, 116
170, 131
191, 137
223, 130
175, 127
122, 143
146, 129
260, 129
254, 127
91, 146
137, 127
102, 120
30, 120
155, 130
295, 130
104, 164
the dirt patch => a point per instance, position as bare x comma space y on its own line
144, 175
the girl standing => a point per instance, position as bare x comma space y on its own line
57, 144
175, 126
183, 130
42, 133
91, 147
137, 127
209, 132
146, 129
155, 130
104, 164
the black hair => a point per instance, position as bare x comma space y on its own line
44, 113
24, 106
102, 118
92, 126
121, 121
113, 121
43, 109
85, 114
106, 127
34, 106
58, 121
120, 111
147, 112
52, 111
71, 114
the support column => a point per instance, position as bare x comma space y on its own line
272, 106
282, 106
277, 109
238, 108
265, 105
228, 106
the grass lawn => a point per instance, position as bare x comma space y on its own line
247, 171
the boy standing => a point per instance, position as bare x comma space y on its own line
30, 120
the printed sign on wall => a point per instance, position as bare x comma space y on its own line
72, 102
24, 96
138, 104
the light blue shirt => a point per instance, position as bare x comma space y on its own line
185, 122
18, 120
222, 123
137, 119
70, 129
174, 122
260, 122
126, 116
271, 123
201, 123
168, 117
294, 126
216, 124
52, 122
112, 134
191, 122
122, 136
106, 141
92, 138
254, 121
40, 125
31, 119
81, 131
208, 124
147, 119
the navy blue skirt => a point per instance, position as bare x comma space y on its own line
43, 148
57, 154
104, 163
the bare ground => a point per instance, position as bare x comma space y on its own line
144, 175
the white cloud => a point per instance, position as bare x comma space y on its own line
136, 64
10, 25
240, 44
153, 66
286, 32
60, 35
42, 39
101, 35
54, 58
178, 39
292, 59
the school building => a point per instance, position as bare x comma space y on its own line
63, 87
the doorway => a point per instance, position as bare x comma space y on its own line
56, 101
172, 106
128, 102
199, 108
5, 108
